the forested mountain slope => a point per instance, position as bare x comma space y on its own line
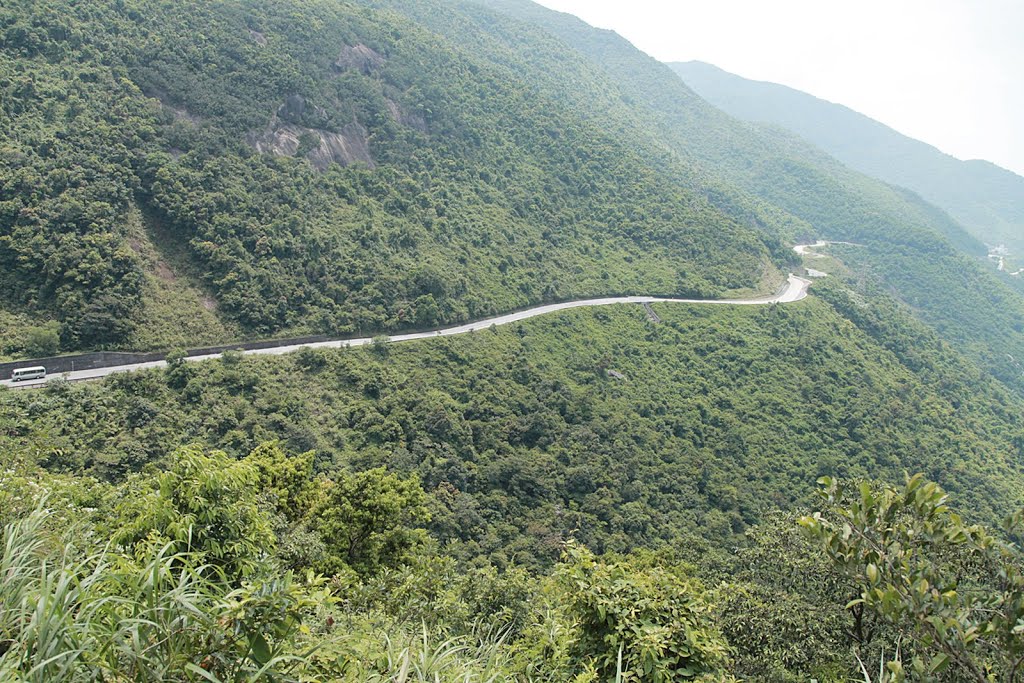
599, 424
341, 167
178, 174
178, 177
913, 249
438, 482
593, 495
985, 199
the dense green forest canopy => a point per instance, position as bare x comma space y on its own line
456, 490
599, 424
177, 175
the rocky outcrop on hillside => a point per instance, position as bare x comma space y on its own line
286, 136
405, 117
321, 147
359, 58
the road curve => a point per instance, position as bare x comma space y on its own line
795, 289
806, 249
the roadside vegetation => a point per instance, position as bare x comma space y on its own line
595, 423
503, 506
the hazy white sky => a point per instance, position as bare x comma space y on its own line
948, 72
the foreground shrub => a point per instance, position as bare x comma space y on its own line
640, 623
157, 616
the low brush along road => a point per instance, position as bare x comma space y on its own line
794, 290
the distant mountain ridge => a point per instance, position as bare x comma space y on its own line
986, 199
912, 248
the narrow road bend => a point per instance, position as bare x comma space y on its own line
795, 289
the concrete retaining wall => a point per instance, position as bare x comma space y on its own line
107, 359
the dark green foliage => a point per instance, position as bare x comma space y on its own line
69, 134
781, 608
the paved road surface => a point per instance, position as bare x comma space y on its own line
794, 290
805, 249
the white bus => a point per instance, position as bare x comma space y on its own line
28, 373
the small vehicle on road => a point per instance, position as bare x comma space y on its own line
38, 372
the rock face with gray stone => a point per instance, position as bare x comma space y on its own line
349, 146
293, 108
359, 58
289, 132
321, 147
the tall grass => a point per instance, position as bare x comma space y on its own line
416, 659
40, 598
153, 616
107, 617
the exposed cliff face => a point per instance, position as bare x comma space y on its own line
320, 147
347, 147
286, 136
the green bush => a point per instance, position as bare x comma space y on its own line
641, 623
42, 341
205, 503
368, 521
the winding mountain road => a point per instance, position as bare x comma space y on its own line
795, 289
806, 249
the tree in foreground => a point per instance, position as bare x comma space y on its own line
953, 592
204, 503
